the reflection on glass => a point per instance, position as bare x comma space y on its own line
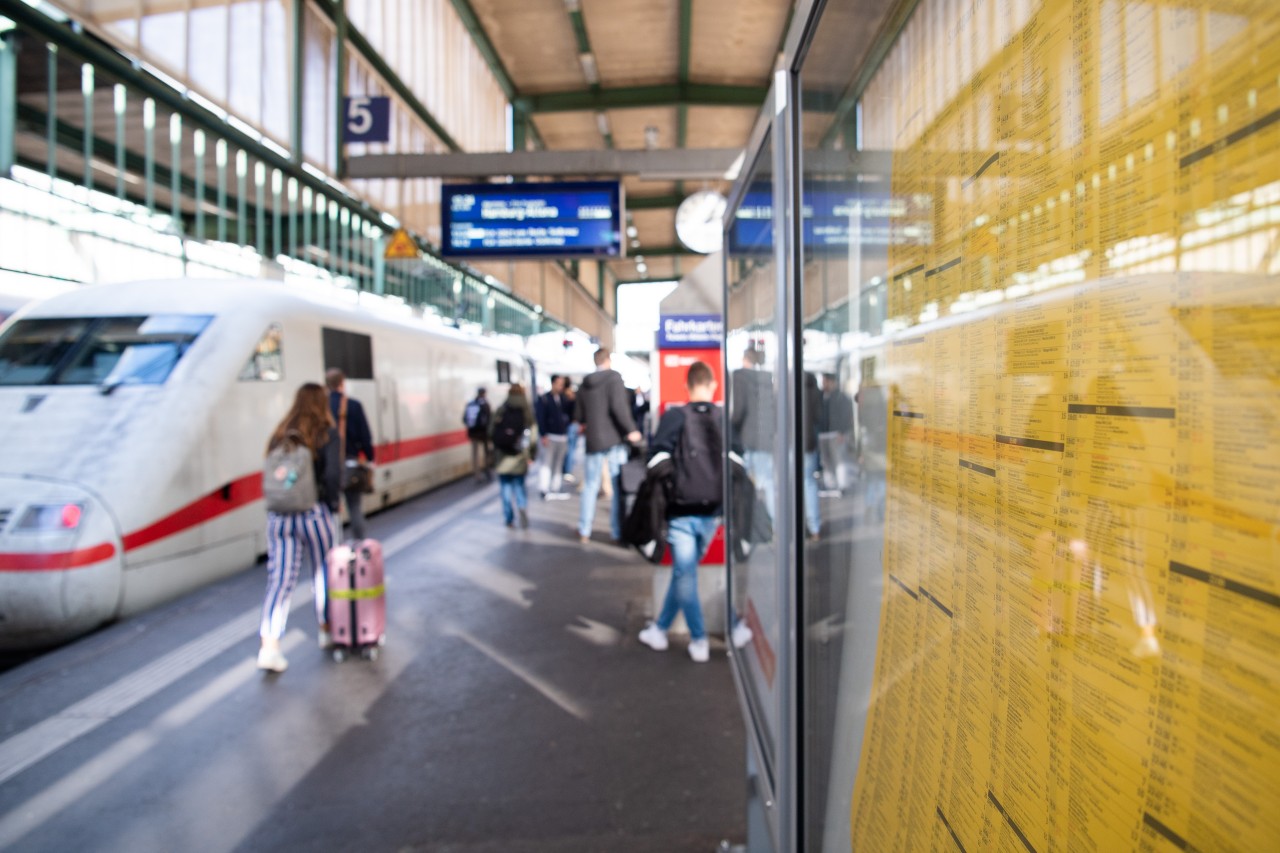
1041, 611
753, 415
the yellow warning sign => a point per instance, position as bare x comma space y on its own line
401, 247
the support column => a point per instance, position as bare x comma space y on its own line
8, 100
297, 9
340, 90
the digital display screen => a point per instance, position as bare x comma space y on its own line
833, 216
562, 220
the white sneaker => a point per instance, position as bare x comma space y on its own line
700, 651
272, 660
654, 637
741, 635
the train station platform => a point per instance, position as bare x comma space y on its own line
512, 709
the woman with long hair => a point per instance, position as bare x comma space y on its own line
289, 534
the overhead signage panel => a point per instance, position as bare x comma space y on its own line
561, 220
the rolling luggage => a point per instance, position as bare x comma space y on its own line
357, 599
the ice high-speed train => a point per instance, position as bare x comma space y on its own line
134, 418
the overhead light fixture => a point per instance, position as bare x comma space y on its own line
631, 231
602, 123
635, 244
650, 137
589, 70
572, 6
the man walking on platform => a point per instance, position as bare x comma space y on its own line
554, 414
692, 435
604, 410
835, 425
353, 428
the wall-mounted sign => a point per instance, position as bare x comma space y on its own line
690, 331
582, 219
366, 119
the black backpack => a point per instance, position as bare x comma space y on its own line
699, 462
508, 435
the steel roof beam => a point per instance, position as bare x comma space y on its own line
690, 94
659, 164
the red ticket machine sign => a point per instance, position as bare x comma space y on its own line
673, 373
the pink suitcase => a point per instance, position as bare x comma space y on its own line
357, 599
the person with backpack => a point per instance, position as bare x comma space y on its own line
604, 411
693, 437
476, 419
515, 435
357, 441
301, 486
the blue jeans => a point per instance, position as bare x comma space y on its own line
615, 457
572, 446
759, 464
812, 513
512, 487
689, 536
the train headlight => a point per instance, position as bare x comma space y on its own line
45, 518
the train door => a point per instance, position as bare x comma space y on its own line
352, 353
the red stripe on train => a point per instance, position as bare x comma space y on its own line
394, 451
57, 561
240, 493
248, 489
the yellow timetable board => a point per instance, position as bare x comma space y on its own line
1079, 643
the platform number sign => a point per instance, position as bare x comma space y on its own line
367, 119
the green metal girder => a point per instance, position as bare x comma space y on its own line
123, 71
580, 31
390, 77
654, 202
690, 94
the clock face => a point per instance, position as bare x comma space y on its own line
700, 221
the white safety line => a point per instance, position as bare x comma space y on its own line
559, 697
84, 779
30, 746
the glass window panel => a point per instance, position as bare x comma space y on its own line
164, 36
276, 62
751, 399
317, 90
209, 48
244, 59
1045, 338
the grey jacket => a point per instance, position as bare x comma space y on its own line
605, 409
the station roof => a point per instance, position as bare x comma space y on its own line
634, 74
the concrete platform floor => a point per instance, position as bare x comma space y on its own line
512, 710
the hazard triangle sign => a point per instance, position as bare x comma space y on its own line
401, 247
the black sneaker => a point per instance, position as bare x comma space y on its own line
524, 520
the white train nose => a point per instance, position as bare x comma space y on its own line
60, 562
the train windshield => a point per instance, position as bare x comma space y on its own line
106, 351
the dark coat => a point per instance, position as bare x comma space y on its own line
753, 410
646, 526
327, 464
605, 409
359, 437
837, 413
553, 415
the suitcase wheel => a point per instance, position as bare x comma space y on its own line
339, 655
369, 653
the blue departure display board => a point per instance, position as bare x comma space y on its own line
562, 220
833, 216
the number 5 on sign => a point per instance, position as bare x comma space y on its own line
367, 119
